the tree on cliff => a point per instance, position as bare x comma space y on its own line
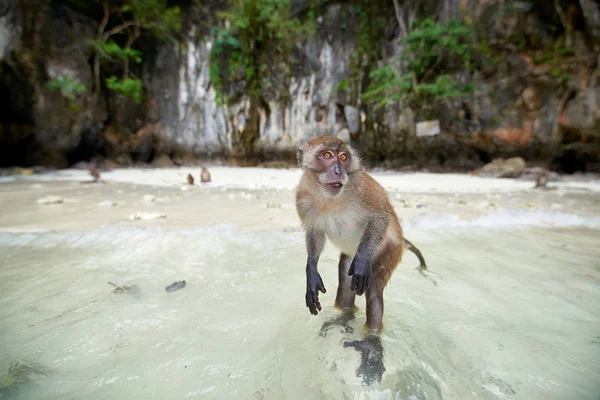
121, 25
253, 36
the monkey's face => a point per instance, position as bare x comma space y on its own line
333, 164
331, 160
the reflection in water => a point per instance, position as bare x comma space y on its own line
514, 315
342, 321
371, 367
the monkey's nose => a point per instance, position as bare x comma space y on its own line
337, 170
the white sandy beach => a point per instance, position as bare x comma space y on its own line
507, 311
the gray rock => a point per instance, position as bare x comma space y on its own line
509, 168
428, 128
352, 115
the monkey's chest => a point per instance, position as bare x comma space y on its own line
343, 231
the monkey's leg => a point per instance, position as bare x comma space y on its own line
417, 252
375, 307
345, 296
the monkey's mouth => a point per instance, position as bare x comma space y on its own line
334, 187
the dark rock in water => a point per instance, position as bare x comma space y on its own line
371, 358
18, 374
175, 286
129, 289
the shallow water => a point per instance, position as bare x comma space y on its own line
507, 312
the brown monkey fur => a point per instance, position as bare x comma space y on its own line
204, 175
336, 199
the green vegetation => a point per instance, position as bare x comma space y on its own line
129, 87
125, 22
69, 88
254, 34
559, 59
253, 37
433, 54
372, 21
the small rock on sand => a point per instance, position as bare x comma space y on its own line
50, 200
175, 286
148, 198
146, 216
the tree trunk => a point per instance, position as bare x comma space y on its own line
566, 23
99, 34
132, 38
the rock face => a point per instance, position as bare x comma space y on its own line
500, 168
42, 126
517, 109
520, 106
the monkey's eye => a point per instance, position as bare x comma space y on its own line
328, 155
343, 156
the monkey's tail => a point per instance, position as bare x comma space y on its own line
417, 253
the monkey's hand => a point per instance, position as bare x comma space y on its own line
360, 271
314, 283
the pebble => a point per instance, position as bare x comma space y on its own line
148, 198
146, 216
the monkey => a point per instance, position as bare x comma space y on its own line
95, 174
337, 200
190, 179
204, 175
541, 179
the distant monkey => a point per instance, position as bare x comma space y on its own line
541, 179
190, 179
336, 199
204, 175
95, 174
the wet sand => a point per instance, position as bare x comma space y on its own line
260, 199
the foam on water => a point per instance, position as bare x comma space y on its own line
503, 219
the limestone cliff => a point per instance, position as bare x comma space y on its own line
527, 100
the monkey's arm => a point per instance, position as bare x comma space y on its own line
315, 241
372, 238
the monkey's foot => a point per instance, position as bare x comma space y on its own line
342, 320
371, 358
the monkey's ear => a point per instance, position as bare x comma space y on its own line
299, 154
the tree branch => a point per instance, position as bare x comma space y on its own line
565, 22
119, 28
400, 17
101, 28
